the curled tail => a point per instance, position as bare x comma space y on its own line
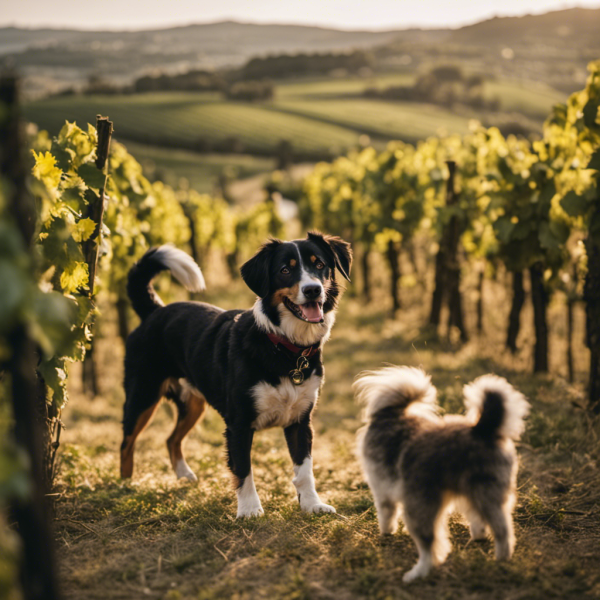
164, 258
394, 387
497, 409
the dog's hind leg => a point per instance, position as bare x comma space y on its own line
422, 534
477, 525
191, 405
387, 513
142, 401
499, 519
425, 519
497, 513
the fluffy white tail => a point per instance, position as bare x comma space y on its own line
496, 407
394, 387
183, 267
144, 298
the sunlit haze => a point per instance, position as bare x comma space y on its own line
346, 14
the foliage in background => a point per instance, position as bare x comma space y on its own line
522, 203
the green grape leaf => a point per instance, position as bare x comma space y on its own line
560, 231
574, 204
504, 228
92, 176
52, 321
547, 238
54, 374
521, 230
595, 161
15, 480
14, 295
590, 114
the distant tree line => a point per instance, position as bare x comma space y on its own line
250, 83
195, 80
292, 65
443, 85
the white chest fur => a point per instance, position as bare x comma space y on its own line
284, 404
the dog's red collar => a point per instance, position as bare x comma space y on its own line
306, 351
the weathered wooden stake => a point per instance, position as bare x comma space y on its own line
514, 318
104, 129
447, 266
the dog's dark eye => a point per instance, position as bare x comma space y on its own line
319, 265
285, 271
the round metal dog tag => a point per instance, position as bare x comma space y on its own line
296, 377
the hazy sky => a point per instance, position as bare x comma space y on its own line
348, 14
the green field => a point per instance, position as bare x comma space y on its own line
331, 87
321, 118
532, 99
201, 170
197, 122
407, 121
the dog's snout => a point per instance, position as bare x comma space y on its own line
311, 291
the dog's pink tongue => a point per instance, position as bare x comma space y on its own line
312, 312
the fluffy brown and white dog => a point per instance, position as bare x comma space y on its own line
420, 465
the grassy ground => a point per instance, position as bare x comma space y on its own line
155, 537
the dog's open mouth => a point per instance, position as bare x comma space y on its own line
311, 312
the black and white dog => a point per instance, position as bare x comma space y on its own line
421, 465
258, 368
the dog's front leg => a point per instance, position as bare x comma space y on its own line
239, 444
299, 440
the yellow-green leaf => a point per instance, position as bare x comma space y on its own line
83, 230
74, 277
45, 169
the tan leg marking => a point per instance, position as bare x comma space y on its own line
196, 405
127, 451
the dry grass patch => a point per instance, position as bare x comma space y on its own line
155, 537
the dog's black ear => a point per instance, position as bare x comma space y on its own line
255, 272
338, 251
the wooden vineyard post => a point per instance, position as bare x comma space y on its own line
366, 274
591, 296
394, 262
28, 394
447, 266
104, 129
539, 298
514, 319
481, 278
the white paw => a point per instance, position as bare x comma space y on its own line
250, 511
318, 508
184, 472
416, 572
